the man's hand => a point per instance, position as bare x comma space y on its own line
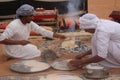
59, 36
76, 63
62, 37
82, 62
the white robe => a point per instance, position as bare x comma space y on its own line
106, 43
18, 31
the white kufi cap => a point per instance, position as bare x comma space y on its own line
24, 10
88, 21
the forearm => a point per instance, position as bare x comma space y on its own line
82, 62
8, 42
91, 60
14, 42
87, 53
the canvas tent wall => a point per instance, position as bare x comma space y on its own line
8, 7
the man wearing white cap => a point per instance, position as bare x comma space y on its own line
15, 37
105, 42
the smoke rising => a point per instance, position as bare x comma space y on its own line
73, 5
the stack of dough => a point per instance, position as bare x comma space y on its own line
68, 44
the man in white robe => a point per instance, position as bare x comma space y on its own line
15, 37
105, 42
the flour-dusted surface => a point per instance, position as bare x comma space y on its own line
29, 66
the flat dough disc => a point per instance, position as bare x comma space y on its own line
62, 65
29, 66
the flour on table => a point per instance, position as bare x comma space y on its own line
36, 65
